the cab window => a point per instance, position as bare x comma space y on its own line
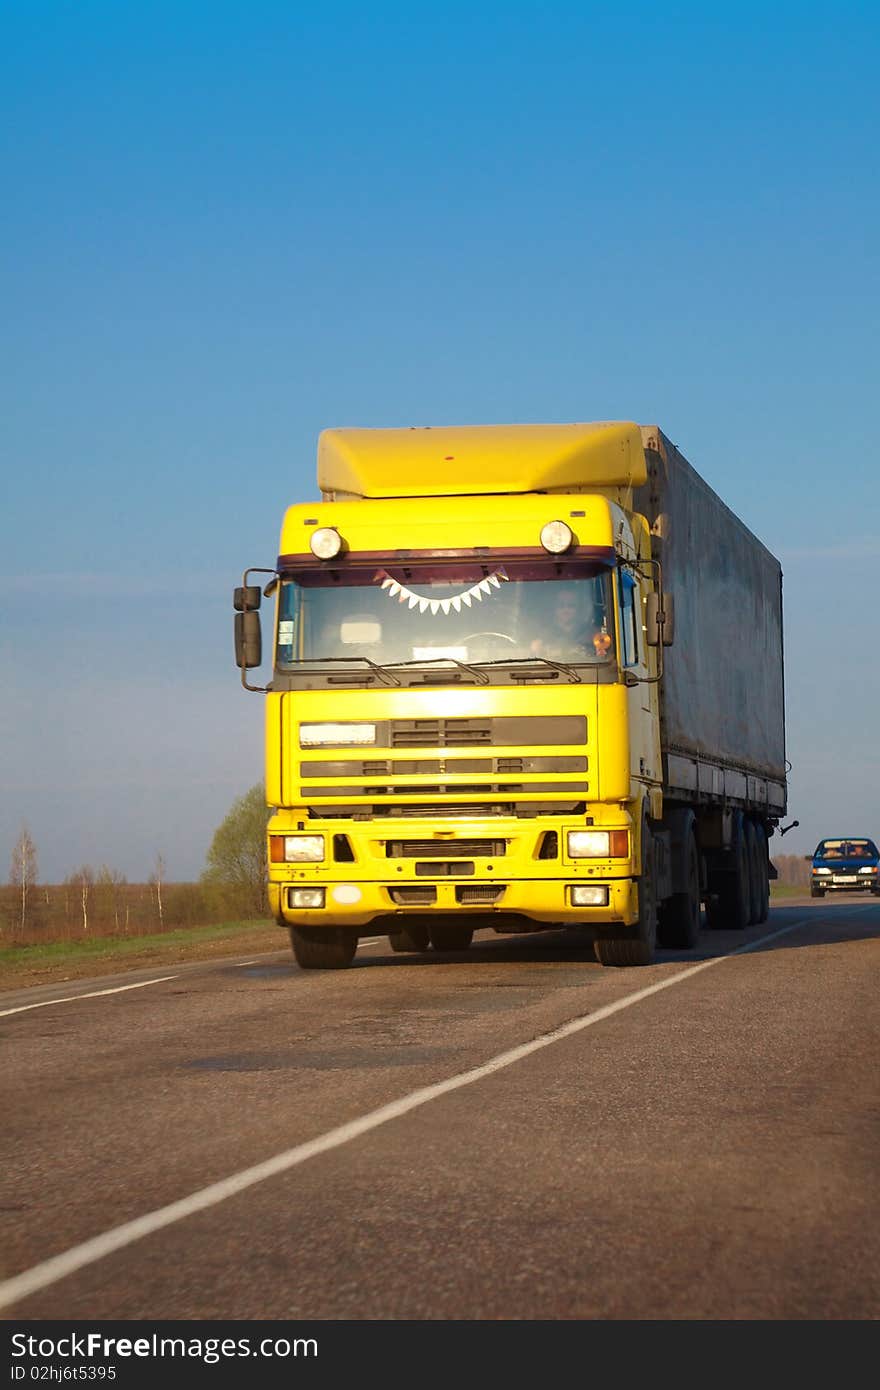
629, 618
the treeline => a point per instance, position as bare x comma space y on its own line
96, 903
101, 902
793, 870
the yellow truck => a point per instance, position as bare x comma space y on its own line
525, 678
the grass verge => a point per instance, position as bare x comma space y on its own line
21, 966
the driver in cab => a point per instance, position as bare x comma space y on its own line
575, 636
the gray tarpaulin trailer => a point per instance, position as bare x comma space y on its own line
722, 692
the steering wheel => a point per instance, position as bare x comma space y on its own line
472, 636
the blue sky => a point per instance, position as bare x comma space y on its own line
227, 227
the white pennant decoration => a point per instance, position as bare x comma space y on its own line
395, 589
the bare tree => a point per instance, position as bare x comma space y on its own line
82, 879
157, 878
107, 885
23, 870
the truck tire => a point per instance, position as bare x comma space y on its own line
714, 920
753, 855
323, 948
734, 897
635, 945
678, 919
415, 937
764, 863
447, 937
817, 892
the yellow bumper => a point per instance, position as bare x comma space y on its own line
356, 903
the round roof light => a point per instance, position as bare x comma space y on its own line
556, 537
326, 543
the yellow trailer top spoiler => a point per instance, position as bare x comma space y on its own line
447, 461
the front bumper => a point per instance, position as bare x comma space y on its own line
846, 883
486, 870
358, 903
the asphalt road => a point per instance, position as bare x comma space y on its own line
512, 1133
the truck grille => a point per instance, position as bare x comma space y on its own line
484, 773
439, 733
445, 849
422, 896
448, 810
503, 731
479, 893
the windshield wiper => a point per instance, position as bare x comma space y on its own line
388, 676
479, 676
569, 671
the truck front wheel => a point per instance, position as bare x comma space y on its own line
634, 945
412, 938
323, 948
447, 937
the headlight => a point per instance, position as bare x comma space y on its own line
556, 537
337, 735
868, 869
821, 871
325, 543
598, 844
588, 895
305, 897
295, 849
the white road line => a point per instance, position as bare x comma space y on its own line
94, 994
60, 1266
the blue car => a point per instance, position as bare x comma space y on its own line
845, 866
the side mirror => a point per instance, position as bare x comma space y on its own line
248, 637
659, 622
809, 858
247, 599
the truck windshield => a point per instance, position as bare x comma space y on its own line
482, 615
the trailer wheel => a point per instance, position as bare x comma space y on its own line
634, 945
323, 948
734, 899
764, 869
413, 938
714, 920
753, 856
447, 937
678, 922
